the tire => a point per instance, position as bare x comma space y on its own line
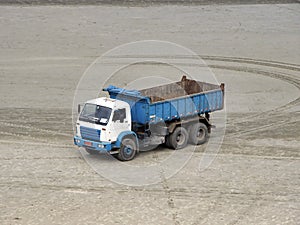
128, 149
179, 138
167, 142
198, 133
91, 151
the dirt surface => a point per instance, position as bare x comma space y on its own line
142, 2
254, 179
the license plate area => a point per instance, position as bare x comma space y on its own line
87, 143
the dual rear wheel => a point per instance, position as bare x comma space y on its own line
198, 134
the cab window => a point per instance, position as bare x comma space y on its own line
119, 115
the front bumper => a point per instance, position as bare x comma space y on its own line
95, 145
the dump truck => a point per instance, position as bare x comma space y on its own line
129, 121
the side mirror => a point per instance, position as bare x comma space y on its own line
79, 108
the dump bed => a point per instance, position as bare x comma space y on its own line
171, 101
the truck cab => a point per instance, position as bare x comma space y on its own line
102, 124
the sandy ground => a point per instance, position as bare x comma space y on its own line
254, 179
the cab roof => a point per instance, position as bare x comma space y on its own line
108, 102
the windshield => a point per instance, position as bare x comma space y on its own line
95, 114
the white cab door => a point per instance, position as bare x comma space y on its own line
120, 122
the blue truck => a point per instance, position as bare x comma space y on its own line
129, 121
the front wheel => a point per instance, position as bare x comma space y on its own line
198, 133
179, 138
128, 150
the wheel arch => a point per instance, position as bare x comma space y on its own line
187, 123
129, 134
206, 122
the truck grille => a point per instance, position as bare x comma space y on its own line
90, 134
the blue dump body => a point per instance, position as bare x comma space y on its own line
171, 101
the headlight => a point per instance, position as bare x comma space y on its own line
78, 141
100, 146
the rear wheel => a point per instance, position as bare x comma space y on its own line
198, 133
128, 150
91, 151
179, 138
167, 141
